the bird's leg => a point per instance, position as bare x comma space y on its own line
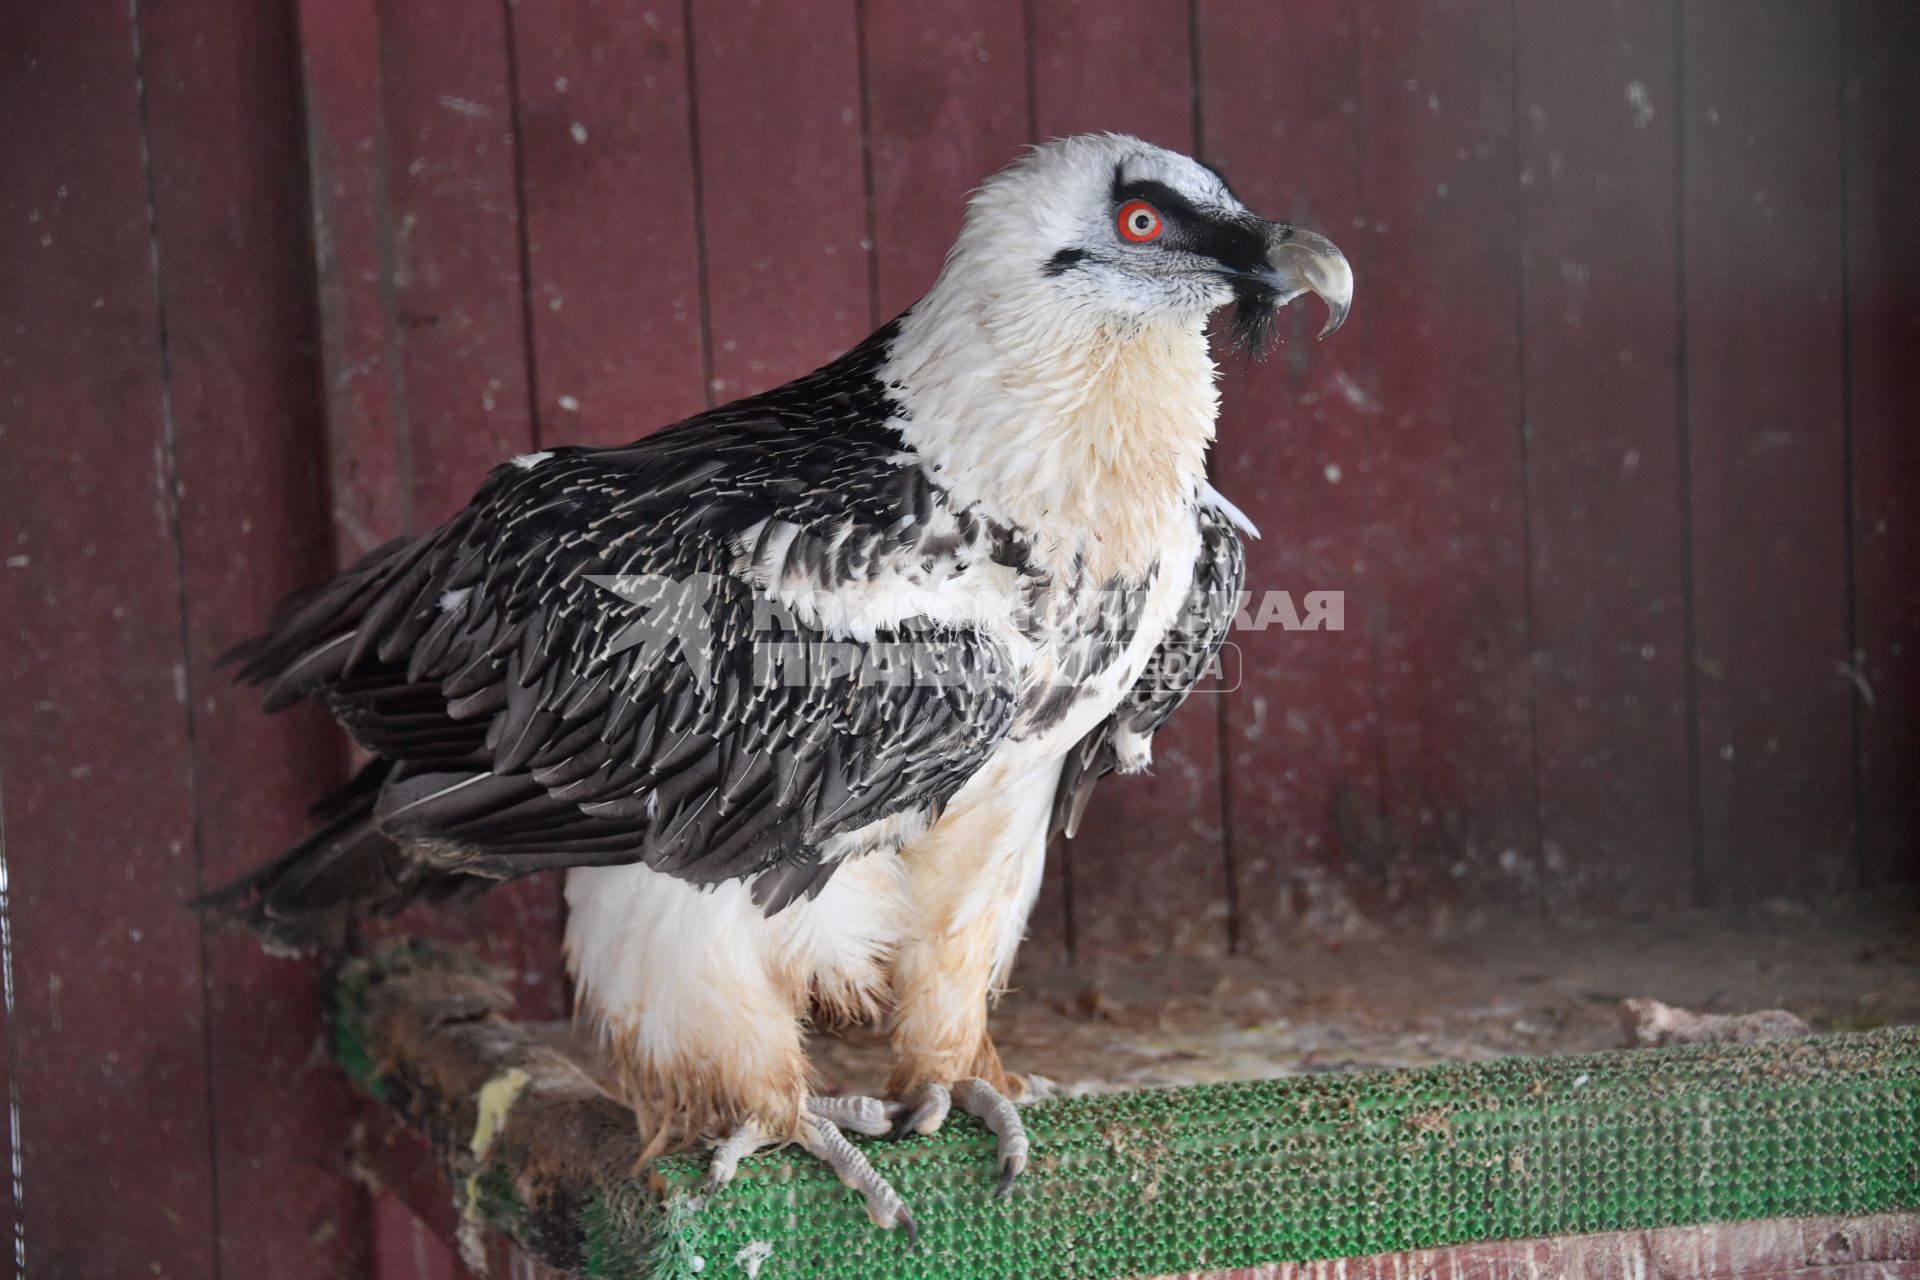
871, 1116
924, 1107
971, 881
821, 1137
824, 1141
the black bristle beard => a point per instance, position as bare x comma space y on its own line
1256, 307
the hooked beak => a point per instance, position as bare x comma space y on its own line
1301, 261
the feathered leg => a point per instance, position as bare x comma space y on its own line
971, 881
701, 1002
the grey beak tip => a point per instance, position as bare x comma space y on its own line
1308, 262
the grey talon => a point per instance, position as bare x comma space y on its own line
988, 1105
824, 1141
926, 1109
872, 1117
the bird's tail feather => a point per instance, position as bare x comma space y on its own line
313, 896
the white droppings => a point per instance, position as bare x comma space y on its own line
570, 404
579, 132
1332, 472
465, 106
1354, 394
1641, 102
19, 562
1726, 752
754, 1256
696, 1264
560, 83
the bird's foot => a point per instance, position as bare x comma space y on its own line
820, 1135
924, 1109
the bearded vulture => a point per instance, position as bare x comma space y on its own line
796, 690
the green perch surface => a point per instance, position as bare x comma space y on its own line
1154, 1182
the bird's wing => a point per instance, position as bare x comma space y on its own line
579, 668
1182, 659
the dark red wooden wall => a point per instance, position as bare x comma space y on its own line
1615, 464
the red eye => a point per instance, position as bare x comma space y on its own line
1139, 221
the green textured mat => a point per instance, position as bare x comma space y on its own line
1150, 1183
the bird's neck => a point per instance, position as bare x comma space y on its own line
1088, 435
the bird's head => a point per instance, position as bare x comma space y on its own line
1110, 226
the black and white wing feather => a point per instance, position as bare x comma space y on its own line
579, 668
1180, 662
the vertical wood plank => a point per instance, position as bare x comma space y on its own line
368, 465
230, 209
1297, 437
1113, 67
946, 106
1761, 137
459, 305
612, 242
1600, 326
455, 225
783, 187
411, 128
1148, 869
1447, 561
1883, 329
109, 1029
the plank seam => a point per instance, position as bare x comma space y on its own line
1683, 430
699, 205
523, 227
1526, 448
1229, 868
170, 449
872, 247
1366, 360
1856, 660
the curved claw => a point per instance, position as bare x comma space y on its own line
824, 1141
729, 1152
992, 1108
923, 1110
